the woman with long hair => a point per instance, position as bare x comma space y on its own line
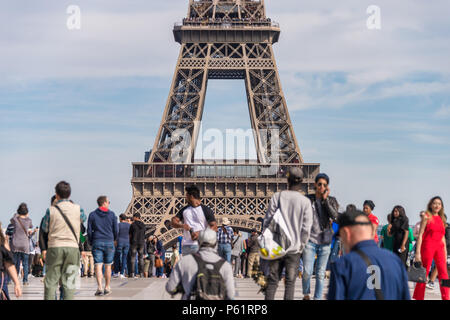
400, 233
7, 266
431, 245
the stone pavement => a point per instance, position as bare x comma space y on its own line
154, 289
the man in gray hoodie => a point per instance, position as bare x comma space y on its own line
185, 272
296, 210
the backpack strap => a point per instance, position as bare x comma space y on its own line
378, 293
201, 264
218, 265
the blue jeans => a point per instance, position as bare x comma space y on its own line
225, 251
309, 254
189, 249
22, 257
334, 253
159, 271
121, 257
103, 252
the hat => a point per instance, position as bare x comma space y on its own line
225, 221
348, 218
207, 236
295, 174
323, 176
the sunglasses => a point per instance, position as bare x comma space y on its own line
320, 184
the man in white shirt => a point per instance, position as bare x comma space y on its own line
192, 219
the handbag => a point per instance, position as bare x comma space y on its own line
417, 273
158, 263
275, 239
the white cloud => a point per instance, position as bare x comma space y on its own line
443, 112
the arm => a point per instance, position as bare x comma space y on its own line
336, 290
445, 246
331, 206
423, 225
306, 225
405, 239
115, 228
43, 234
11, 269
89, 229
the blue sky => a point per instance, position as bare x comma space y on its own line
373, 107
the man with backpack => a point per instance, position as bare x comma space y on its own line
61, 227
296, 211
203, 275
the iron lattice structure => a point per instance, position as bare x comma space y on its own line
220, 40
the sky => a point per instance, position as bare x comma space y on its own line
371, 106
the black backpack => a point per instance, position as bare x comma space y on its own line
209, 284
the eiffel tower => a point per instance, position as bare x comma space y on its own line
230, 39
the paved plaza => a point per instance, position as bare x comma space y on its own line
154, 289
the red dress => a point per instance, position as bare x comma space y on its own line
374, 221
433, 248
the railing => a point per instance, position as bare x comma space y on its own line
227, 23
219, 170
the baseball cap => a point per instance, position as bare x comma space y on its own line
295, 173
208, 236
348, 218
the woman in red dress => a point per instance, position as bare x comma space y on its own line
431, 245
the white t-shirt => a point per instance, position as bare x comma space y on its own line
195, 218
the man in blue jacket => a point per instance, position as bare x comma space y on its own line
102, 232
367, 272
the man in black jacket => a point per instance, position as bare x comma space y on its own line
137, 244
325, 210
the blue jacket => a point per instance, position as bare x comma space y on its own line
349, 275
102, 226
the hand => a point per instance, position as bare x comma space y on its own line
115, 243
83, 254
402, 249
326, 194
18, 291
194, 235
186, 227
418, 258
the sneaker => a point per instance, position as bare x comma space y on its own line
306, 298
122, 276
430, 285
116, 275
99, 292
89, 275
26, 283
107, 292
131, 275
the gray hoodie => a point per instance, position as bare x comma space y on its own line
186, 270
296, 211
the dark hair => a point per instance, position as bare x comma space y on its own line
2, 236
401, 211
101, 200
193, 191
137, 215
52, 199
441, 213
389, 218
123, 217
351, 208
63, 190
370, 204
323, 176
22, 209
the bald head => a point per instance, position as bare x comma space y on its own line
351, 235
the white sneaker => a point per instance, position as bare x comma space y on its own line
122, 276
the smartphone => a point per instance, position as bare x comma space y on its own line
445, 283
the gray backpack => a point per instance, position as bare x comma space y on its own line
209, 284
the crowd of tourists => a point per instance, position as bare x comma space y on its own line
62, 248
315, 238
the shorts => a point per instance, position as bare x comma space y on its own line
103, 252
